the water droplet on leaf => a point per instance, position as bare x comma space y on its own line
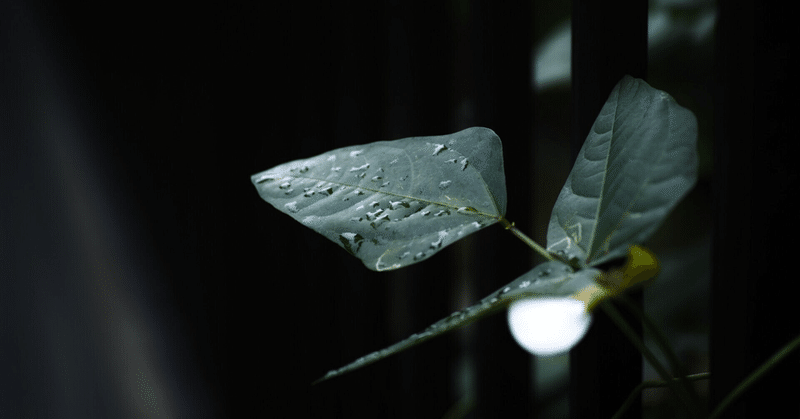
365, 166
267, 178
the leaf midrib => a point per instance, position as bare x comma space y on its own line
441, 204
592, 244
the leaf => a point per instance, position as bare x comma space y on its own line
638, 161
550, 278
394, 203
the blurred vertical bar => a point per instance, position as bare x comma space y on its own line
609, 40
753, 307
501, 48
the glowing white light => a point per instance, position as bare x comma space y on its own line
548, 326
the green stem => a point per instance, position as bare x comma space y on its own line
623, 325
752, 378
652, 384
663, 344
532, 244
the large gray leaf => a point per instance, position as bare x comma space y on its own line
394, 203
548, 279
638, 161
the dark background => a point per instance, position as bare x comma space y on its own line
143, 276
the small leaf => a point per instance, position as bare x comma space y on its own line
548, 279
638, 161
394, 203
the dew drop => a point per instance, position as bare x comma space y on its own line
359, 192
398, 204
326, 191
426, 212
285, 185
374, 204
454, 316
365, 166
524, 284
451, 161
438, 148
291, 207
356, 153
467, 210
308, 192
376, 178
441, 213
503, 291
371, 215
445, 184
383, 185
464, 164
304, 169
336, 169
351, 242
267, 178
419, 256
438, 243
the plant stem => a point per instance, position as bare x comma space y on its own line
527, 240
623, 325
758, 373
663, 344
651, 384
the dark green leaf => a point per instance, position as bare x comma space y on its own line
394, 203
638, 161
547, 279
